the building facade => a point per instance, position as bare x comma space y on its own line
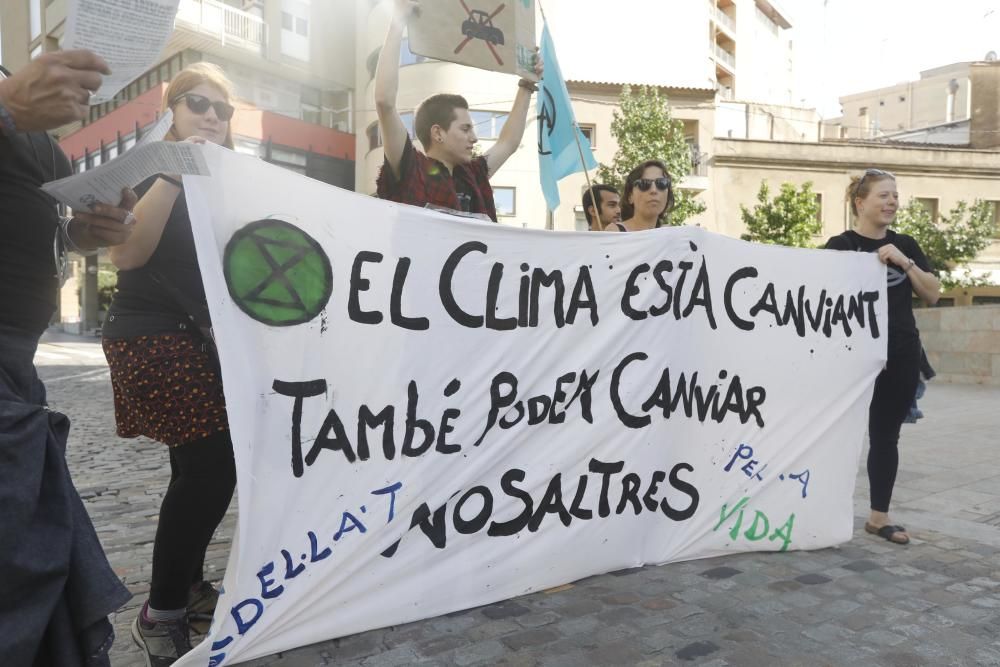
294, 87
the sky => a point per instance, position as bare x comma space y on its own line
849, 46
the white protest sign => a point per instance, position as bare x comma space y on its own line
496, 35
128, 34
431, 414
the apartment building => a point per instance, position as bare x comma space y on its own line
294, 87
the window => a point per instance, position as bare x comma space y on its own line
930, 205
863, 111
902, 98
487, 123
819, 210
287, 21
301, 26
505, 200
996, 218
35, 18
589, 131
375, 137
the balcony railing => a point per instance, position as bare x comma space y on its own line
725, 57
724, 19
229, 24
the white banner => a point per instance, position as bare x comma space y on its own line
432, 414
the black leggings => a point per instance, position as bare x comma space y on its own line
202, 479
895, 389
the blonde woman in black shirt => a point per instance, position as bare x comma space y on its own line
874, 200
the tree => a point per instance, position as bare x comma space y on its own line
953, 241
791, 218
646, 130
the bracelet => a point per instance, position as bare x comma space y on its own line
172, 181
68, 241
7, 125
528, 85
910, 265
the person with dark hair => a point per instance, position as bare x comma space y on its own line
874, 200
165, 374
447, 174
608, 210
647, 199
57, 588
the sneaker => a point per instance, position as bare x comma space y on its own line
202, 600
162, 642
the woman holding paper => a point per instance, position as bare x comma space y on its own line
874, 201
165, 375
647, 198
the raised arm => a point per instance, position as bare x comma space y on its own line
387, 84
513, 130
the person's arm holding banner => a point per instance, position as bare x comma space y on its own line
387, 85
513, 130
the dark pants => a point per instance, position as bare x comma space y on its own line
56, 588
895, 389
202, 480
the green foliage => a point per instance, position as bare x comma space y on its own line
790, 219
952, 241
107, 278
646, 130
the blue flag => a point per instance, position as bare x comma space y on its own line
558, 154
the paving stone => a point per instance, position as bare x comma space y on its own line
527, 638
934, 602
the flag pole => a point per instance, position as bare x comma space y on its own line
590, 185
583, 162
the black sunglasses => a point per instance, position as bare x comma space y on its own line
661, 183
199, 104
872, 172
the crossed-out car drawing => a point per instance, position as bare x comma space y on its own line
479, 25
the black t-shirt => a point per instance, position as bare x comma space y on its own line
902, 325
155, 297
28, 222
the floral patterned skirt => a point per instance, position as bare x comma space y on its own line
166, 388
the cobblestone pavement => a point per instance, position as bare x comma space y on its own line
935, 602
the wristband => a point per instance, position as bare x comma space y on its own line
910, 265
528, 85
172, 181
68, 241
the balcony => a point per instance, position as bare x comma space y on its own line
224, 25
724, 58
723, 20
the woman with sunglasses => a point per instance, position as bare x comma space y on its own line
874, 201
165, 375
647, 199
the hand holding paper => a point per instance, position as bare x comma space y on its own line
53, 89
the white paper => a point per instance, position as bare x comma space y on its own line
128, 34
157, 131
105, 183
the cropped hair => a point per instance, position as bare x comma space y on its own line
436, 110
588, 199
193, 76
628, 208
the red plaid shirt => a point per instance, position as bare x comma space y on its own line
424, 180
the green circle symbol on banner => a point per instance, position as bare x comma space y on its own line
276, 273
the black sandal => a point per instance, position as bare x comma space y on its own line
887, 532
